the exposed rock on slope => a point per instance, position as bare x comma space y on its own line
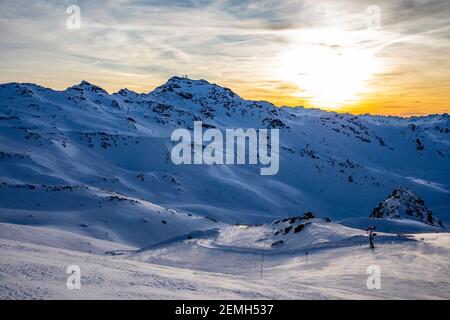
404, 203
286, 234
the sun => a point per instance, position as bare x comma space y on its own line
328, 77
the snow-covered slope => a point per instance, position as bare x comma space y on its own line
32, 268
288, 234
97, 213
336, 165
86, 178
403, 203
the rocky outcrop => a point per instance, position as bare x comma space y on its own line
403, 203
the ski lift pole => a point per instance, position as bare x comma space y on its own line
262, 264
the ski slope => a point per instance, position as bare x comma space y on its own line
33, 268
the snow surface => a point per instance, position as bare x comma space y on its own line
336, 165
30, 268
86, 179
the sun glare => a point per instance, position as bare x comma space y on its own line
329, 77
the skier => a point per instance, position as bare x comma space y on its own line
372, 234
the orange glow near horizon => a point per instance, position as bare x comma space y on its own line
415, 100
343, 56
378, 104
419, 100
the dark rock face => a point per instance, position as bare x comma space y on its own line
404, 203
299, 228
308, 215
276, 243
289, 227
274, 123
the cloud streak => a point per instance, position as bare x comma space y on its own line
240, 44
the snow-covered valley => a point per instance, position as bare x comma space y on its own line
86, 179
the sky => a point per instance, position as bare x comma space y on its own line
358, 56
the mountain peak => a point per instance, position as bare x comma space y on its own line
404, 203
126, 92
86, 86
187, 89
85, 83
186, 80
177, 83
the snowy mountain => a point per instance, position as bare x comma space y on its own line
97, 213
336, 165
403, 203
84, 173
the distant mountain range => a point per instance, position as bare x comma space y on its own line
100, 163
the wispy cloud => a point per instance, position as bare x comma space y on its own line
237, 43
